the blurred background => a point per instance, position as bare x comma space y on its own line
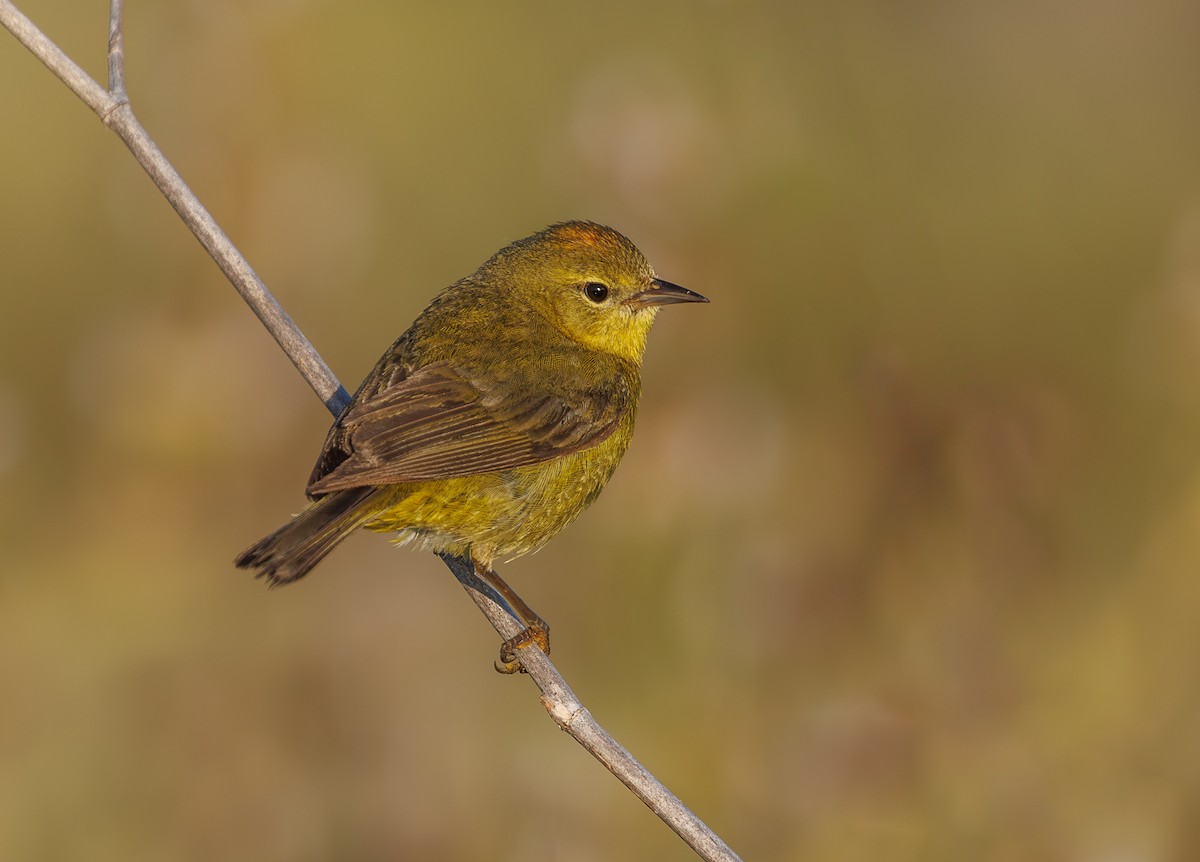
901, 563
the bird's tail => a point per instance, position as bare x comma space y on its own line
291, 551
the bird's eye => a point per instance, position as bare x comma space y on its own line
595, 291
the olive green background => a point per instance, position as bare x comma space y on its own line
901, 564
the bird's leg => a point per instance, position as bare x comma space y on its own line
536, 631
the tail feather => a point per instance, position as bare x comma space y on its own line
290, 552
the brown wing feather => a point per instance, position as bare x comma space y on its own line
439, 423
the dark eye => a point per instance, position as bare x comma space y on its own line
595, 291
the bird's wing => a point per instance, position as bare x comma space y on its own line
440, 422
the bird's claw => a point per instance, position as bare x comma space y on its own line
536, 634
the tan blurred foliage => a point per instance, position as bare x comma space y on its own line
901, 564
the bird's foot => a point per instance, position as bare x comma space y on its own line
536, 633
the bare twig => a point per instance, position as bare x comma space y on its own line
113, 107
116, 50
571, 715
114, 110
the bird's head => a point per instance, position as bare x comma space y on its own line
590, 282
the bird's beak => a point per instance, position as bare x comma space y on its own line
663, 293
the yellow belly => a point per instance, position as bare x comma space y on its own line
499, 516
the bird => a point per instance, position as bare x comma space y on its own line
494, 420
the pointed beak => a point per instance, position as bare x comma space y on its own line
663, 293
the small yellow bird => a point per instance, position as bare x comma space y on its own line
495, 419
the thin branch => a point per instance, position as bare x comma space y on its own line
113, 108
63, 67
571, 715
116, 50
